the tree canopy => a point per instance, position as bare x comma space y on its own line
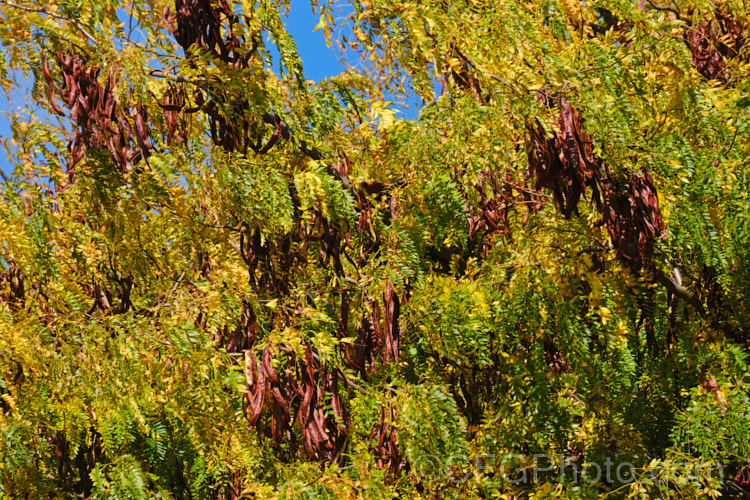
221, 280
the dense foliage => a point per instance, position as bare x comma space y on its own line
221, 280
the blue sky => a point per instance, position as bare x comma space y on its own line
319, 62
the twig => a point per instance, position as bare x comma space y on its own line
53, 15
664, 120
177, 283
596, 68
729, 148
488, 74
528, 190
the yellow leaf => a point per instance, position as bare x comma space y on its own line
322, 24
272, 304
605, 314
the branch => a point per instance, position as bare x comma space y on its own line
177, 283
667, 8
169, 76
675, 286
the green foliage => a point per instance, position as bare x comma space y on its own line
430, 424
123, 480
454, 320
256, 194
221, 280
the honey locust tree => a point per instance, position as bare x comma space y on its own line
221, 280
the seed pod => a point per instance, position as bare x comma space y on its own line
266, 361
